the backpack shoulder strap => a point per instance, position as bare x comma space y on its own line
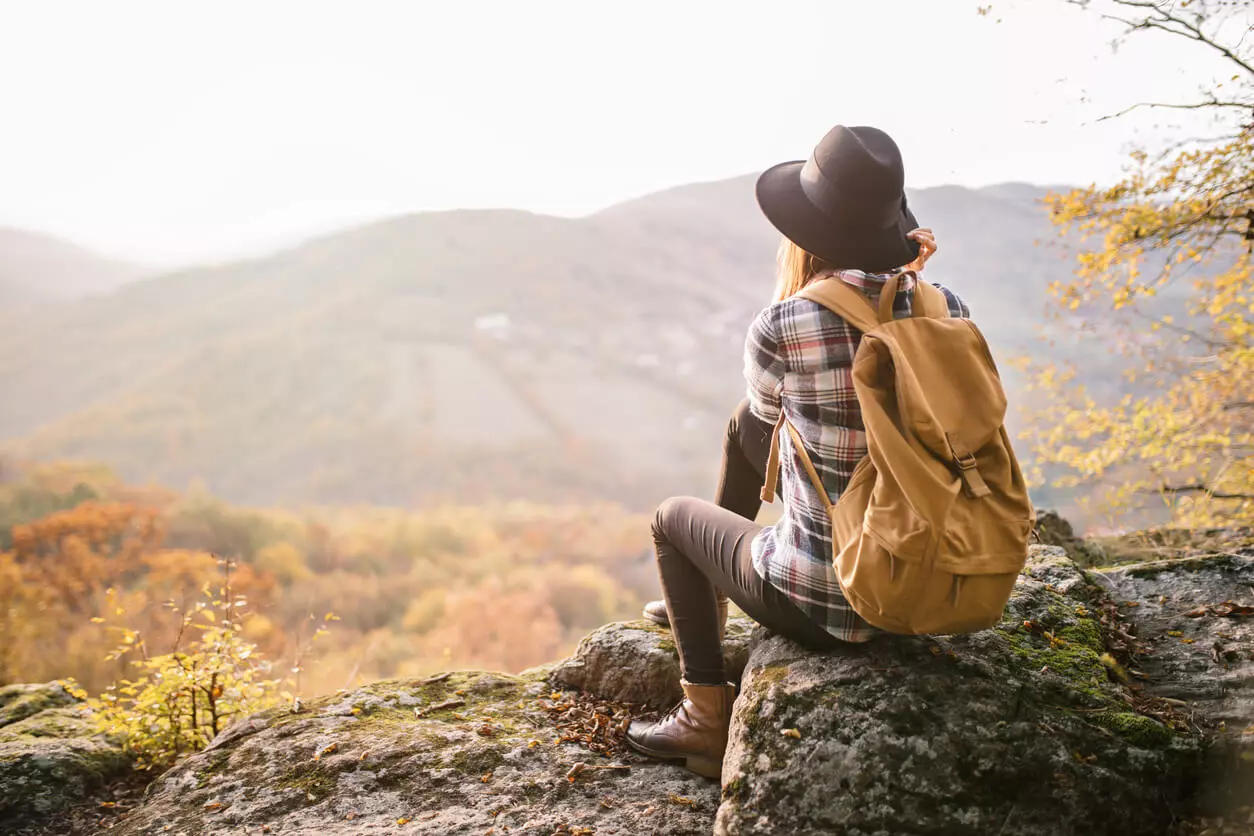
800, 447
856, 309
929, 300
842, 300
772, 463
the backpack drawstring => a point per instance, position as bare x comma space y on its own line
956, 589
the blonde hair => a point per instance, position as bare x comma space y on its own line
796, 269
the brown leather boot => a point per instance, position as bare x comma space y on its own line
695, 731
656, 612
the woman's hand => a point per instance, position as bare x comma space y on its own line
927, 247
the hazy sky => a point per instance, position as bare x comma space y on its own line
168, 131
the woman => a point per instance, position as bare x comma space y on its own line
843, 214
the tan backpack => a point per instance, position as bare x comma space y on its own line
932, 530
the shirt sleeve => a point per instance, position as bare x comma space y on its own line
957, 307
764, 366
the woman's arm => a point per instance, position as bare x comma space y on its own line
957, 307
927, 248
764, 366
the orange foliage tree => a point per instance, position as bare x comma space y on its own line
502, 587
84, 565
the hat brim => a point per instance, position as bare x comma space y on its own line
843, 245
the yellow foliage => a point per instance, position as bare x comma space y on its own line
410, 591
1179, 441
426, 611
285, 562
178, 701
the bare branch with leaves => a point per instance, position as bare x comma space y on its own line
1173, 434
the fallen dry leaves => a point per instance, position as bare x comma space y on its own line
1125, 648
581, 768
596, 724
1228, 609
565, 829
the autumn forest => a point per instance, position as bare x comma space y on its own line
332, 599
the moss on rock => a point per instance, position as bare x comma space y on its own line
1153, 569
1137, 729
52, 723
492, 762
1054, 639
19, 701
50, 753
310, 777
937, 733
475, 760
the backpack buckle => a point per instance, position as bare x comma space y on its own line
973, 483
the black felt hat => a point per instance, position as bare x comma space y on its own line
847, 203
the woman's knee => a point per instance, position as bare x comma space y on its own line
740, 418
748, 437
670, 515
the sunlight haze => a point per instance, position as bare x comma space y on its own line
162, 133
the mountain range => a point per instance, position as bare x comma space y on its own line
36, 268
453, 356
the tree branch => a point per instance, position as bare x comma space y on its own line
1167, 22
1194, 106
1174, 147
1177, 489
1209, 342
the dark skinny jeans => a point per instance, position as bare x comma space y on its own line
703, 546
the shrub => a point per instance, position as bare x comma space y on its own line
180, 700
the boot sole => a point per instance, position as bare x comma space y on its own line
656, 619
663, 621
703, 766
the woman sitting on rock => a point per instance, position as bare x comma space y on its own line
843, 213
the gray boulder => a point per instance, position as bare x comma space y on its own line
1028, 728
1197, 616
472, 753
1018, 729
19, 701
50, 753
637, 661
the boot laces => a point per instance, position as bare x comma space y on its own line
673, 712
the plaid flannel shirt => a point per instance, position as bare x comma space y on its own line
799, 358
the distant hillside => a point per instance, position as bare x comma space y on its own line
40, 268
466, 354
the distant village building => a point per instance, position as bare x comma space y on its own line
496, 325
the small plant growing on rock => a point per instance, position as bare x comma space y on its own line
180, 700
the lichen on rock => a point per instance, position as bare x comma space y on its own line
463, 754
19, 701
1028, 728
637, 661
50, 752
1012, 730
1189, 611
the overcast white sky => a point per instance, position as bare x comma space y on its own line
163, 131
